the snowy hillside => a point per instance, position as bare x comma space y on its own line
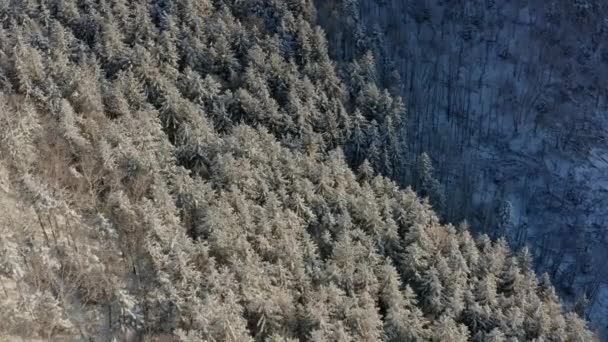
517, 90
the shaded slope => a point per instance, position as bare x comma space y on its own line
508, 99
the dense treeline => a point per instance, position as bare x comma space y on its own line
182, 170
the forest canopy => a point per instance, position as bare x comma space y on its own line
200, 170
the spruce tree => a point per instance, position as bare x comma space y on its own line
426, 183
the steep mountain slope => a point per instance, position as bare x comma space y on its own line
509, 99
179, 170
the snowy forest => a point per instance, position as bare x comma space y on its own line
292, 170
509, 101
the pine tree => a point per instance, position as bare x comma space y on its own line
495, 336
445, 329
358, 140
404, 321
426, 183
509, 279
432, 291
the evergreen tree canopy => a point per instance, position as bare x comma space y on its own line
182, 170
